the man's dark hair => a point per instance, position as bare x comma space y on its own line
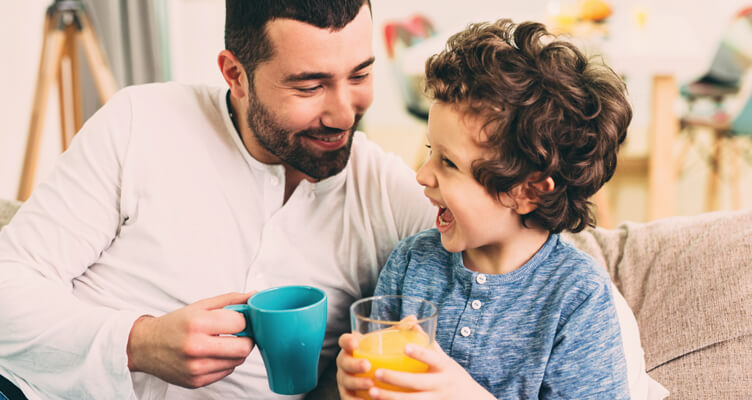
245, 23
547, 109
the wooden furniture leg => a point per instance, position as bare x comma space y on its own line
714, 172
664, 128
736, 175
52, 51
65, 23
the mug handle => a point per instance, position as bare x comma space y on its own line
243, 309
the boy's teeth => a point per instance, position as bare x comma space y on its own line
442, 222
445, 216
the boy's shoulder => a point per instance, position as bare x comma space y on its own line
576, 265
423, 246
424, 241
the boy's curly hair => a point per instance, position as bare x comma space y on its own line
547, 109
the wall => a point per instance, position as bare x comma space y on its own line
689, 29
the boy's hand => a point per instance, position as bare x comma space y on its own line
348, 366
445, 379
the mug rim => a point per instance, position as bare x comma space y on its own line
434, 314
319, 291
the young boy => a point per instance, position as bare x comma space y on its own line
523, 130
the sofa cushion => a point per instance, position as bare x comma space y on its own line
689, 282
7, 209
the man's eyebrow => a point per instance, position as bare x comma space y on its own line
364, 64
311, 76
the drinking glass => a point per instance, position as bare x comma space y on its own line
384, 325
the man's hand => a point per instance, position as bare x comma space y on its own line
184, 347
445, 379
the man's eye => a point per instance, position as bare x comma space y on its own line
428, 146
360, 77
311, 89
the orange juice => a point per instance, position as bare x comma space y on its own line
385, 349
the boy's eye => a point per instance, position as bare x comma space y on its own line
448, 162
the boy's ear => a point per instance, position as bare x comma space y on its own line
527, 195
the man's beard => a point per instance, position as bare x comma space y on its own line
289, 148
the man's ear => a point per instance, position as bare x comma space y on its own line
527, 195
234, 73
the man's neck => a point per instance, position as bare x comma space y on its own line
293, 177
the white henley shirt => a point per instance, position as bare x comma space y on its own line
157, 204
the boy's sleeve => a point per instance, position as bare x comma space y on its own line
587, 360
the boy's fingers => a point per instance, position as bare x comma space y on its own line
408, 380
349, 342
352, 382
432, 357
352, 365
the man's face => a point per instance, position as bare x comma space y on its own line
306, 101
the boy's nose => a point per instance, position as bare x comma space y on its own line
425, 175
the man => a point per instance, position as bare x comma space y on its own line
175, 201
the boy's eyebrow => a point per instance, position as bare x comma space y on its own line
446, 151
311, 76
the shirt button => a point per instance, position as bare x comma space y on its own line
465, 331
274, 181
476, 304
481, 278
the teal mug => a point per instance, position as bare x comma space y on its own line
288, 325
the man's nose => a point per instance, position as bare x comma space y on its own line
339, 112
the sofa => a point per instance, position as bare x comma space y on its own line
688, 281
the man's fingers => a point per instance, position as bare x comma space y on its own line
210, 366
203, 380
222, 300
222, 322
219, 347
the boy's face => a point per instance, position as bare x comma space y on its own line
468, 216
307, 99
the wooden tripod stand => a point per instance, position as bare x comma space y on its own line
65, 22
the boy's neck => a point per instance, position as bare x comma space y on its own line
507, 256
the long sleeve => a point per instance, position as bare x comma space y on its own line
62, 346
587, 360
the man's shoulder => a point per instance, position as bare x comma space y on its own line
168, 94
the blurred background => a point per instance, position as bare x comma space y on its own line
685, 64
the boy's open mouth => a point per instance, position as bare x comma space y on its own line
445, 217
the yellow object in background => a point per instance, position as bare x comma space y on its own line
594, 10
385, 349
